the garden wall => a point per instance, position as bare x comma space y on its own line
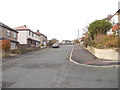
110, 54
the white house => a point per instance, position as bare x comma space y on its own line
27, 36
116, 25
115, 20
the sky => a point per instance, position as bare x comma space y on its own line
58, 19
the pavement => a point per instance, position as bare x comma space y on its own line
80, 55
20, 56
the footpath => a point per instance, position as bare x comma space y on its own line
21, 56
83, 56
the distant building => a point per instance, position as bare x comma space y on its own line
66, 42
53, 40
7, 33
27, 36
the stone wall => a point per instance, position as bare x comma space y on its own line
110, 54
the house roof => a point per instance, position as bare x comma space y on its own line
118, 11
24, 27
115, 27
110, 16
5, 26
38, 33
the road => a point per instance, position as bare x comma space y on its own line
51, 68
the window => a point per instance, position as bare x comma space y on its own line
32, 34
14, 34
37, 44
8, 33
29, 33
13, 46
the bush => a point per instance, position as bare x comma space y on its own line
14, 51
87, 42
5, 47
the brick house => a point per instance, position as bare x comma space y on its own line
42, 38
27, 37
7, 33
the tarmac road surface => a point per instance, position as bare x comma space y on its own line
51, 68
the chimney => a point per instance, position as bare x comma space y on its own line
37, 30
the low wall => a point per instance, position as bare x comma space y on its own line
110, 54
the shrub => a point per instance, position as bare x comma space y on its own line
87, 42
106, 41
5, 47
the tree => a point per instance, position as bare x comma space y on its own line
99, 27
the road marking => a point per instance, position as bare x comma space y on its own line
70, 58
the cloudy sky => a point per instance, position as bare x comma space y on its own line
58, 19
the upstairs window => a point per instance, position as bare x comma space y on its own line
8, 33
32, 34
29, 33
14, 34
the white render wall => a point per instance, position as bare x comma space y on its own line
108, 54
22, 37
115, 19
34, 38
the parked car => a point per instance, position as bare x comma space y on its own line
55, 45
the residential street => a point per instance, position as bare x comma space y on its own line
51, 68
